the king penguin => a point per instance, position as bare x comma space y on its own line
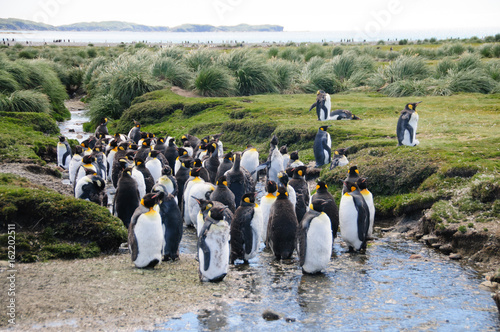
145, 233
407, 125
75, 163
154, 165
126, 198
110, 157
102, 128
117, 168
64, 154
239, 180
266, 202
354, 218
223, 194
301, 188
315, 242
212, 163
322, 147
92, 188
250, 160
283, 181
285, 155
135, 133
323, 105
169, 181
213, 244
282, 227
226, 165
367, 195
342, 115
171, 152
246, 229
329, 207
339, 158
171, 221
352, 177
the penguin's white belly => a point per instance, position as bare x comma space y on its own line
187, 197
79, 186
296, 163
149, 235
276, 165
154, 167
256, 225
343, 161
292, 196
265, 206
141, 184
199, 191
413, 123
334, 117
250, 160
110, 159
73, 167
348, 220
177, 165
200, 221
217, 240
61, 161
319, 244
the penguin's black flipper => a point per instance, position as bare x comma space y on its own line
312, 106
363, 216
265, 165
132, 242
202, 244
304, 228
335, 163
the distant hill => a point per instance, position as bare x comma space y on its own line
18, 24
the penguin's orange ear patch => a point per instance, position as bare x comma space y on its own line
224, 183
410, 106
311, 206
336, 152
357, 171
247, 199
353, 188
317, 187
300, 172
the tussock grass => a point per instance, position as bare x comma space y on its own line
214, 81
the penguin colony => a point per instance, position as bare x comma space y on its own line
160, 186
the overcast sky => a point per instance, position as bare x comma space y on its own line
309, 15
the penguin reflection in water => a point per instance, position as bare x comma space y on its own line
145, 233
213, 244
407, 125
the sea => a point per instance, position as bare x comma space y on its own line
283, 37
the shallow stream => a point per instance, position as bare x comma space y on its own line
381, 290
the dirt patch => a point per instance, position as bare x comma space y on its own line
184, 93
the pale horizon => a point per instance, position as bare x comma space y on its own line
370, 17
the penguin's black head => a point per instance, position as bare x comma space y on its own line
197, 163
294, 155
323, 128
341, 151
321, 185
113, 144
318, 205
78, 149
85, 144
350, 186
353, 171
320, 92
195, 171
154, 153
282, 193
184, 138
284, 149
98, 182
167, 170
130, 155
283, 178
62, 139
248, 199
151, 135
274, 140
206, 139
123, 146
205, 204
144, 135
289, 171
300, 170
146, 142
171, 141
182, 151
149, 200
161, 140
138, 161
217, 136
187, 163
212, 146
216, 213
104, 121
412, 106
354, 117
123, 163
98, 148
228, 156
222, 180
362, 183
127, 171
133, 146
89, 159
137, 124
271, 186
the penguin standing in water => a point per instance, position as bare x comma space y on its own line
239, 181
64, 154
339, 158
126, 198
75, 163
315, 242
367, 195
171, 221
282, 227
149, 181
145, 233
183, 157
169, 181
407, 125
246, 229
283, 182
322, 147
154, 165
301, 188
223, 194
354, 218
135, 133
323, 105
250, 160
213, 244
329, 207
205, 206
274, 163
102, 128
266, 202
